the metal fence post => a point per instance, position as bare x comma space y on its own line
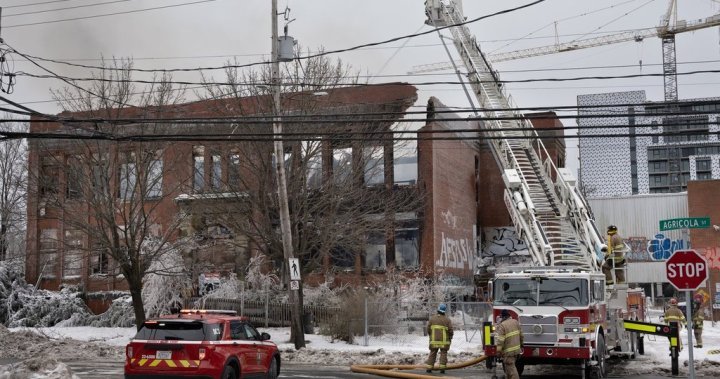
267, 301
366, 321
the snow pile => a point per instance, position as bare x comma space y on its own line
37, 368
29, 343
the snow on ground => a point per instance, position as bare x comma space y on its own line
69, 343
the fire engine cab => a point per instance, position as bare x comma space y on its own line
566, 316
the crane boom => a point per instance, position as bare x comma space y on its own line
663, 31
548, 211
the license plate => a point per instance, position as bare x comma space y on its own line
163, 355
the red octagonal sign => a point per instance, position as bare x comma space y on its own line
686, 269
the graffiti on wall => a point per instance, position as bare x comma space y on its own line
501, 242
712, 255
661, 248
455, 253
658, 248
637, 249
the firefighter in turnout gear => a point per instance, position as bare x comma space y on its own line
440, 330
697, 320
674, 314
614, 259
509, 341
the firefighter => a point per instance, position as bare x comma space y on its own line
697, 321
509, 341
614, 257
674, 314
440, 330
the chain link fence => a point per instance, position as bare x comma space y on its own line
372, 323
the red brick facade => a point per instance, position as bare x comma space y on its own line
704, 201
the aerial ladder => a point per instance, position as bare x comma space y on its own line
547, 209
666, 31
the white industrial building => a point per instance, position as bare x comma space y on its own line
639, 160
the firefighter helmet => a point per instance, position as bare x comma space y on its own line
442, 308
673, 301
612, 229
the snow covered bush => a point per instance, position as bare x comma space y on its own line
22, 305
165, 284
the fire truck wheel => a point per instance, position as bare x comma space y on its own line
600, 352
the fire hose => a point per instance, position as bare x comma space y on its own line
389, 371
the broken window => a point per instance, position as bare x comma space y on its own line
48, 253
99, 261
154, 177
375, 251
313, 160
199, 167
234, 171
342, 165
342, 258
72, 258
73, 177
407, 247
374, 165
127, 175
49, 171
405, 170
216, 173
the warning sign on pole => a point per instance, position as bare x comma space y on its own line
294, 268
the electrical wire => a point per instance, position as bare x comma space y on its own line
33, 4
66, 8
108, 14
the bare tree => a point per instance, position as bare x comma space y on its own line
115, 200
13, 187
339, 174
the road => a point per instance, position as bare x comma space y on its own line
114, 370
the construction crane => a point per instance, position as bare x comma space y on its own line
666, 31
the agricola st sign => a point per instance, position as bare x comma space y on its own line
685, 223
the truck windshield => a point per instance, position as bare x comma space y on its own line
567, 292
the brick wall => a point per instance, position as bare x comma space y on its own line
704, 201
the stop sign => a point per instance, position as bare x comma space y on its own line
686, 269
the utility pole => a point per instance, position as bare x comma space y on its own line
297, 334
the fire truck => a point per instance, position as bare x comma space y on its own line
567, 313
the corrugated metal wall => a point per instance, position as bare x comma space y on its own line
640, 215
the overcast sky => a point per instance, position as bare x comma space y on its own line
196, 33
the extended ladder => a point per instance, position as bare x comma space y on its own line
547, 210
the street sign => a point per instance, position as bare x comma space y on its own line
686, 270
294, 268
685, 223
294, 285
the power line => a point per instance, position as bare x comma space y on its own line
108, 14
309, 137
66, 8
33, 4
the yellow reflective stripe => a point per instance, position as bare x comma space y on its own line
673, 341
170, 363
500, 338
185, 363
142, 362
512, 348
132, 360
515, 333
639, 327
486, 334
155, 362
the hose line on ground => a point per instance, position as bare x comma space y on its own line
390, 371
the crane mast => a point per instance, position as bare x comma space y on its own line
548, 211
